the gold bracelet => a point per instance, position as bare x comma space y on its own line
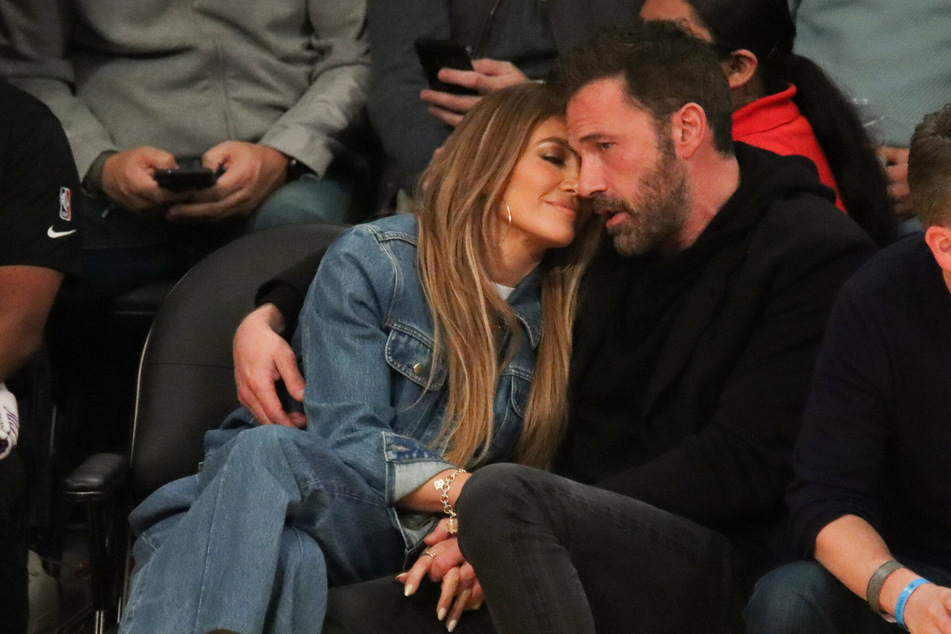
442, 485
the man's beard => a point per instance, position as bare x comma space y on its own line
657, 216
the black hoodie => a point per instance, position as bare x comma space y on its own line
690, 373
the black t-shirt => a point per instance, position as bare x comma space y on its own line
38, 180
877, 432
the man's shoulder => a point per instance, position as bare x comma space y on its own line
898, 269
806, 220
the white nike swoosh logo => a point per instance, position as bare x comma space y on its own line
58, 234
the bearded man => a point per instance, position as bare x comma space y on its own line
693, 353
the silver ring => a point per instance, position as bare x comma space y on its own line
426, 552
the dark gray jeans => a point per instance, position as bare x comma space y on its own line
557, 556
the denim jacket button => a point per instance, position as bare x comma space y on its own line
419, 369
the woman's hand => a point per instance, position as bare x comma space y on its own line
460, 589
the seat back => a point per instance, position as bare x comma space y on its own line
186, 375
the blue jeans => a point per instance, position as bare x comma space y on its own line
804, 598
122, 250
252, 541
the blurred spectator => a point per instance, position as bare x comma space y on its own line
260, 89
509, 40
871, 484
785, 103
39, 243
891, 57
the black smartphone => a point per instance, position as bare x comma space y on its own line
183, 179
435, 54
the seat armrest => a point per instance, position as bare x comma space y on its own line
96, 478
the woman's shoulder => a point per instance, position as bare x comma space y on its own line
381, 233
382, 251
396, 227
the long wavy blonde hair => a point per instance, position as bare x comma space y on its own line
458, 201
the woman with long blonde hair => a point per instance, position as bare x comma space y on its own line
432, 344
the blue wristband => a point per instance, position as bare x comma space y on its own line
903, 598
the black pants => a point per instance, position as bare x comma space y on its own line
13, 544
556, 556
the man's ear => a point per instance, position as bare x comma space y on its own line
688, 126
938, 239
740, 67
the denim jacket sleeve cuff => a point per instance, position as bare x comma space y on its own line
409, 465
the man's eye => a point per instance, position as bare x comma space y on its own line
603, 146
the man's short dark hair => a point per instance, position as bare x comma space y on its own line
929, 168
664, 68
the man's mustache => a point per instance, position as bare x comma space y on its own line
599, 202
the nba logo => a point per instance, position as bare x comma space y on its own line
65, 208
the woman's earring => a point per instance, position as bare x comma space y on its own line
504, 235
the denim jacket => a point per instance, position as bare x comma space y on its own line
366, 335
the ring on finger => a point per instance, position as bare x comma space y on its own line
431, 554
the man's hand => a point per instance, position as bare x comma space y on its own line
896, 170
251, 174
261, 357
929, 610
127, 180
489, 75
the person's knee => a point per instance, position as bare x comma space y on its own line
786, 599
265, 443
487, 491
494, 497
309, 199
265, 437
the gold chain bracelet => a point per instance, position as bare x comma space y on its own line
443, 485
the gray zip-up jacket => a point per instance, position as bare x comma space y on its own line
186, 75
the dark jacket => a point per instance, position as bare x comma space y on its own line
875, 435
712, 439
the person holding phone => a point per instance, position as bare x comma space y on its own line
262, 92
508, 42
441, 340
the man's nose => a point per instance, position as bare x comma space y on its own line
590, 180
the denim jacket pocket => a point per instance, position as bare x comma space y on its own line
518, 395
411, 354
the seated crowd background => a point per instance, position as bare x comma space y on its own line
723, 265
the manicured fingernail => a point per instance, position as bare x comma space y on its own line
401, 576
441, 614
408, 590
452, 625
